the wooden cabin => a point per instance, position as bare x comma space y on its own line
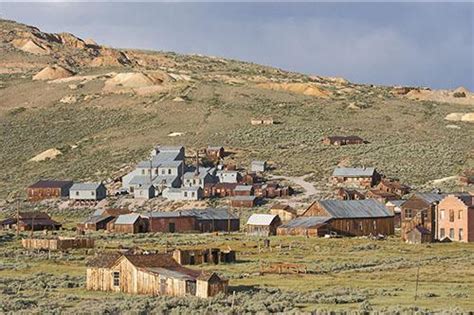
342, 140
48, 189
363, 177
153, 274
285, 212
354, 217
215, 153
349, 194
203, 256
220, 190
305, 226
58, 243
243, 190
381, 196
418, 235
243, 201
27, 221
100, 218
393, 187
263, 224
128, 223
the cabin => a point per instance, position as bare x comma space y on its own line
285, 212
354, 217
227, 176
220, 190
263, 224
456, 218
418, 235
396, 207
420, 210
203, 256
381, 196
87, 192
58, 243
172, 222
342, 140
144, 192
243, 190
349, 194
215, 153
258, 166
271, 190
362, 177
199, 178
243, 201
215, 220
394, 187
30, 221
151, 274
48, 189
183, 193
131, 223
305, 226
100, 218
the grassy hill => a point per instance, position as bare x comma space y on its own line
102, 125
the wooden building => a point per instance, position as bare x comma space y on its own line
396, 207
153, 274
48, 189
420, 210
100, 218
243, 190
305, 226
243, 201
354, 217
172, 222
203, 256
58, 243
342, 140
363, 177
27, 221
215, 153
285, 212
381, 196
128, 223
263, 224
456, 218
393, 187
220, 190
350, 194
418, 235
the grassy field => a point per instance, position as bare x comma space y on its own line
343, 274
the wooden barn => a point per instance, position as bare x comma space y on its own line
58, 243
27, 221
343, 140
49, 189
263, 224
305, 226
354, 217
203, 256
420, 210
153, 274
243, 201
220, 190
418, 235
128, 223
285, 212
172, 222
243, 190
363, 177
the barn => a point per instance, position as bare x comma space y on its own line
364, 177
152, 274
48, 189
263, 224
172, 222
354, 217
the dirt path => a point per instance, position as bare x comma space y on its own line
308, 189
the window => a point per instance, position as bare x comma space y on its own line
185, 194
116, 276
408, 214
460, 215
451, 215
143, 172
442, 233
451, 233
77, 193
360, 226
375, 225
156, 171
163, 172
425, 215
441, 214
193, 194
92, 193
169, 171
461, 232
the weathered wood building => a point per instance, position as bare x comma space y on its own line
129, 223
58, 243
100, 218
243, 201
342, 140
263, 224
418, 235
364, 177
203, 256
350, 194
48, 189
393, 187
153, 274
381, 196
27, 221
285, 212
305, 226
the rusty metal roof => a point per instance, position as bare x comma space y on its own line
52, 184
353, 171
305, 222
368, 208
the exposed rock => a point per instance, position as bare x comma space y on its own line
453, 127
30, 46
309, 89
176, 134
53, 73
454, 116
178, 99
70, 99
46, 155
469, 117
353, 106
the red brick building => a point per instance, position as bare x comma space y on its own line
48, 189
456, 218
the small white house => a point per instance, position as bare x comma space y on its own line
88, 191
144, 192
183, 193
228, 176
259, 166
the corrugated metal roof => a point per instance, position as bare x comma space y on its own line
202, 214
51, 184
430, 197
305, 222
145, 180
368, 208
244, 198
396, 203
243, 188
261, 219
170, 273
203, 172
95, 219
85, 186
127, 218
353, 171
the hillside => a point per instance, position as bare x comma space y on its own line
98, 109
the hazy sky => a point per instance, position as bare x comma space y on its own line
428, 44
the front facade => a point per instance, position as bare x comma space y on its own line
263, 224
456, 218
203, 256
172, 222
129, 223
48, 189
226, 176
154, 274
243, 201
183, 194
243, 190
144, 192
305, 226
88, 192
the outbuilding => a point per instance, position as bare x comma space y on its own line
305, 226
243, 201
88, 191
263, 224
258, 166
129, 223
144, 192
49, 189
418, 235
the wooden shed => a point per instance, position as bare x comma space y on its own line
419, 235
153, 274
129, 223
59, 243
364, 177
203, 256
32, 220
244, 201
263, 224
305, 226
285, 212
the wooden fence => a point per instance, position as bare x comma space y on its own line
57, 243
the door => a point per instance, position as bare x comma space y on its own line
171, 227
191, 287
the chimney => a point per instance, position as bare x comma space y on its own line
197, 162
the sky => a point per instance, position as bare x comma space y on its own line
419, 44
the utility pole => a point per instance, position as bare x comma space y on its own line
17, 217
417, 280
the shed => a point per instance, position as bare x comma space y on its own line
144, 192
243, 201
355, 176
129, 223
419, 235
203, 256
263, 224
32, 220
305, 226
258, 166
243, 190
88, 191
285, 212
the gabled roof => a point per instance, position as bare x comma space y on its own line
95, 219
368, 208
33, 214
104, 260
85, 186
51, 184
396, 203
243, 188
156, 180
261, 219
203, 172
430, 197
244, 198
353, 171
200, 214
305, 222
127, 218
